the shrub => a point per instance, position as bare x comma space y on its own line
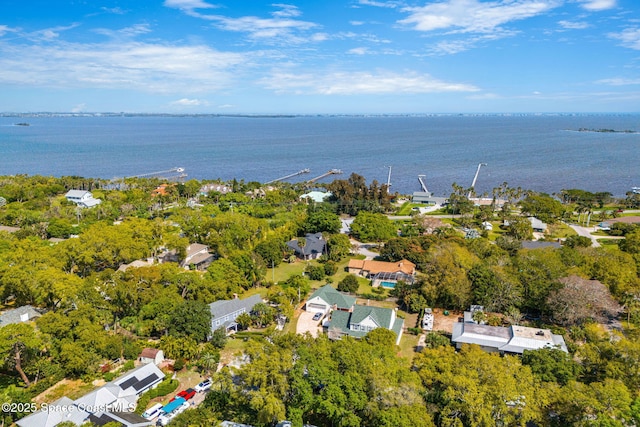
178, 364
415, 331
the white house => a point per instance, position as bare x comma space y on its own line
82, 198
512, 339
114, 401
327, 298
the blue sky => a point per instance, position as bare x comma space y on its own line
320, 57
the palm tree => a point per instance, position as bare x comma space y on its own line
208, 361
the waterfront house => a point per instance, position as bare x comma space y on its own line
537, 225
316, 196
82, 198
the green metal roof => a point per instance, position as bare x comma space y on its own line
329, 294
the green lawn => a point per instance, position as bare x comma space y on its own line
408, 344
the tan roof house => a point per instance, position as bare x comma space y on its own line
382, 273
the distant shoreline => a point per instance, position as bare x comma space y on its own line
606, 130
284, 115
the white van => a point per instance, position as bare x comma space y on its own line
152, 412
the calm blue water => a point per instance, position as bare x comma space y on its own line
535, 152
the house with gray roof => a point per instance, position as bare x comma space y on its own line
328, 298
114, 401
26, 313
314, 246
513, 339
537, 225
225, 312
362, 320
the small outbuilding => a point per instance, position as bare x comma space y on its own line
151, 355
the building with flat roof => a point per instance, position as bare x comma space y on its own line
513, 339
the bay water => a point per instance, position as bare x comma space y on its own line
545, 152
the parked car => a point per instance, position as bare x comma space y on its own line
153, 412
187, 394
317, 316
204, 386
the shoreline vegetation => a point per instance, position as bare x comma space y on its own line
606, 130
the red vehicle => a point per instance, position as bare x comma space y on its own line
185, 394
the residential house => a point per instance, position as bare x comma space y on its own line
537, 225
26, 313
539, 244
313, 247
513, 339
316, 196
114, 401
225, 312
606, 225
214, 188
362, 320
327, 298
82, 198
349, 318
151, 355
382, 273
137, 264
197, 257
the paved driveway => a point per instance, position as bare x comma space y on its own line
307, 324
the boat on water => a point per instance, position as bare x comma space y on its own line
635, 190
22, 124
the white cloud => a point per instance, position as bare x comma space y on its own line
186, 102
52, 33
473, 16
282, 28
618, 81
127, 32
79, 108
5, 29
569, 25
386, 4
281, 31
343, 83
597, 5
155, 68
450, 47
358, 51
287, 11
188, 4
630, 38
